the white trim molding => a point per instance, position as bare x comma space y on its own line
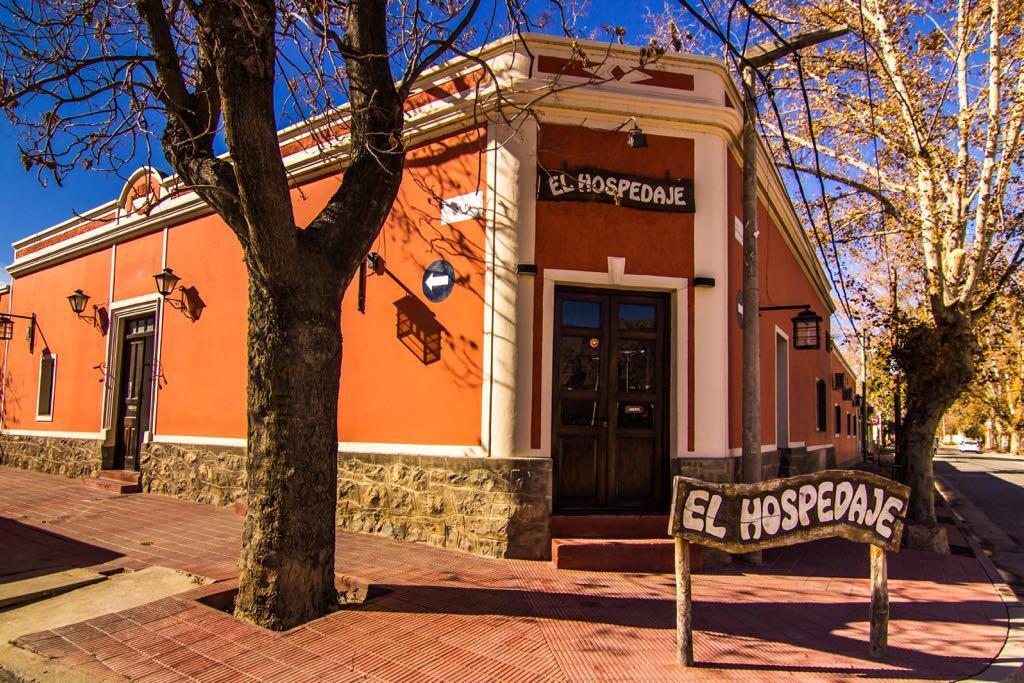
120, 311
617, 278
440, 450
48, 417
54, 434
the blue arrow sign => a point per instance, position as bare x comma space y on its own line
438, 281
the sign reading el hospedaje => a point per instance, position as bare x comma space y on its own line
622, 189
744, 518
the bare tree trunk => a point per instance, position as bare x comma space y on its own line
292, 467
938, 364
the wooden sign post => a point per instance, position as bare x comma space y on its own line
742, 518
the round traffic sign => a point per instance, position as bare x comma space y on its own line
438, 281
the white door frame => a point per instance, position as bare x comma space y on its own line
617, 278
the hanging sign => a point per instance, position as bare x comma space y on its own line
622, 189
438, 281
743, 518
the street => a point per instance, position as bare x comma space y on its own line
991, 486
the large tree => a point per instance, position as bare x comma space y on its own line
92, 82
913, 123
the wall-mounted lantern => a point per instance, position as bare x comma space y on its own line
6, 328
188, 301
806, 326
637, 138
166, 281
807, 330
78, 299
99, 318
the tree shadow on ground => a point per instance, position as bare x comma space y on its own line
824, 627
27, 551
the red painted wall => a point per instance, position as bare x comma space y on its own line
847, 443
78, 346
387, 394
782, 283
582, 235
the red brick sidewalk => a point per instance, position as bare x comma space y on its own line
450, 616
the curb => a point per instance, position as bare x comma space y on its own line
1007, 666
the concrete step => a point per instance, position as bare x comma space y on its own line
128, 476
616, 555
116, 481
609, 526
45, 586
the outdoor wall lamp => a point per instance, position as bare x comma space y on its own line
78, 300
166, 281
637, 139
188, 301
806, 326
7, 328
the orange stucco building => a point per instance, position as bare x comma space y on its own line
589, 347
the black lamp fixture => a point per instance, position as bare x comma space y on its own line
188, 301
78, 300
637, 138
807, 330
166, 282
806, 326
6, 328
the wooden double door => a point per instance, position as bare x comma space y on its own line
610, 403
134, 390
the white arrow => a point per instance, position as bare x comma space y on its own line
437, 280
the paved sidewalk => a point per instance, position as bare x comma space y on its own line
450, 616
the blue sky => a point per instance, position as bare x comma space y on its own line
30, 206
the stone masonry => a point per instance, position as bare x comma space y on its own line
73, 458
205, 474
497, 507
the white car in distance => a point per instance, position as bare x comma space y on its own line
970, 446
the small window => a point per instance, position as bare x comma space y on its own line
848, 430
838, 420
577, 313
821, 397
47, 375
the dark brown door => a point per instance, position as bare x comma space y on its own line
609, 417
135, 389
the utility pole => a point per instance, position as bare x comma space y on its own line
753, 59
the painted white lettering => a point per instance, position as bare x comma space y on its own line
659, 195
584, 182
634, 191
597, 184
693, 507
624, 184
844, 494
789, 509
711, 527
807, 498
771, 517
859, 506
825, 501
883, 525
750, 519
555, 185
679, 196
646, 193
872, 515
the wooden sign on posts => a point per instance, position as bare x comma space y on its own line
742, 518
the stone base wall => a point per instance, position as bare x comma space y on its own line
74, 458
205, 474
720, 470
497, 507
